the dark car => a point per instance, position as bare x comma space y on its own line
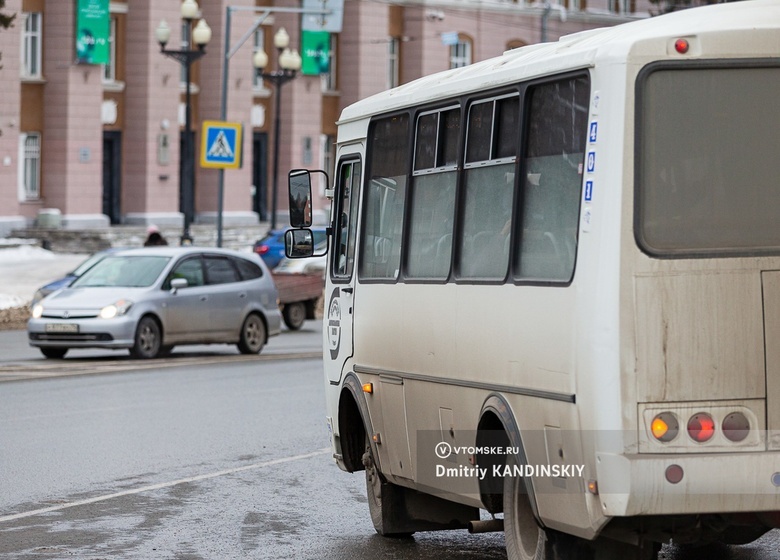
271, 247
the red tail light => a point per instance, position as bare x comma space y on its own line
701, 427
262, 249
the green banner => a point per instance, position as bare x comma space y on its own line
93, 27
315, 52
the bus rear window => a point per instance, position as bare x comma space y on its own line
708, 161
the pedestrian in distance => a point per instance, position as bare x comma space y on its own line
154, 237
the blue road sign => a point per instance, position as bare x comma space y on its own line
221, 146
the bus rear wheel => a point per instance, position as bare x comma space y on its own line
525, 538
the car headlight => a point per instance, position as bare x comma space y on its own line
115, 309
37, 311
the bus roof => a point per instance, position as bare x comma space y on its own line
578, 50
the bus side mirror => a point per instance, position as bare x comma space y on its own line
298, 243
299, 181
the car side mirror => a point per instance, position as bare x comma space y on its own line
177, 284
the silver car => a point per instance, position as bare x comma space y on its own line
150, 300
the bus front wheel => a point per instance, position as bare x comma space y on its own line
381, 499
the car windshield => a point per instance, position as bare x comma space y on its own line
123, 271
89, 263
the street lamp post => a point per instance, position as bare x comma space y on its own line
289, 63
201, 35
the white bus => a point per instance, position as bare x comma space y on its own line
553, 294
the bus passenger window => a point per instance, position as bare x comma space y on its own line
383, 212
432, 210
486, 222
553, 163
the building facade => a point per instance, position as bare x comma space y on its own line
94, 145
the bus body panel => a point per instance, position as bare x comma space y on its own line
584, 367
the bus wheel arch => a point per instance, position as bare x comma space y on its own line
354, 425
498, 427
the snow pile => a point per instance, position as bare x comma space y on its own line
25, 268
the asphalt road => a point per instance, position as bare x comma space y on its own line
205, 456
18, 360
204, 461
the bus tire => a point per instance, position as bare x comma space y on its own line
525, 538
294, 314
381, 497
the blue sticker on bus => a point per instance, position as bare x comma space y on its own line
588, 191
591, 162
594, 127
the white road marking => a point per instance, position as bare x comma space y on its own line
161, 485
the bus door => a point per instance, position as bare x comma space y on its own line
341, 300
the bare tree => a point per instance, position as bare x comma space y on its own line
5, 20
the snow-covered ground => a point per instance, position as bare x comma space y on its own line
26, 268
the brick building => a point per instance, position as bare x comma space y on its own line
97, 145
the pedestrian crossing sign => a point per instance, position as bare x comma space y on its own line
221, 145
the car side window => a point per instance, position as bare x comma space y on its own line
220, 270
248, 269
191, 269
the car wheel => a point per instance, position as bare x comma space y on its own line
148, 339
252, 335
54, 353
294, 314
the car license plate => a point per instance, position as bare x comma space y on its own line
62, 328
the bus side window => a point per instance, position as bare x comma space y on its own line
553, 169
346, 226
383, 210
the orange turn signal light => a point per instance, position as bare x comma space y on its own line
665, 427
368, 388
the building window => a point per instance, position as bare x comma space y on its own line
329, 79
31, 45
393, 62
460, 52
30, 160
109, 70
258, 44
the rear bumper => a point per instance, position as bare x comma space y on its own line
632, 485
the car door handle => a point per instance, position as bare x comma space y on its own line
346, 290
204, 298
242, 295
